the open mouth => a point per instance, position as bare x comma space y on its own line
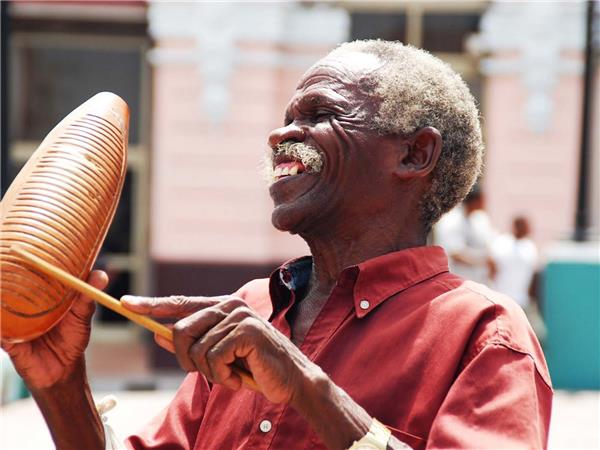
291, 159
286, 169
292, 176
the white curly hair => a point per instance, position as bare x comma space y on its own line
419, 90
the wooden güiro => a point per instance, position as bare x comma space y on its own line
54, 219
59, 207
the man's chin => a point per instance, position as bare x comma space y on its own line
300, 215
294, 218
284, 219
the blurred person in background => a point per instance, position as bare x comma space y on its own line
370, 342
514, 261
466, 234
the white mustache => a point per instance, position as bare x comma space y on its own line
311, 158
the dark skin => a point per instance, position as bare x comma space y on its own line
520, 227
364, 203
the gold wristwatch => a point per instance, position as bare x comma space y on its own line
376, 438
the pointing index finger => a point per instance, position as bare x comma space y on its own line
175, 306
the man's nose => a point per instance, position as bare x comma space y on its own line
291, 132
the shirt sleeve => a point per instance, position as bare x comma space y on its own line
499, 400
176, 427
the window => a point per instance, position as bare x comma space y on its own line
439, 27
447, 32
58, 61
56, 78
373, 25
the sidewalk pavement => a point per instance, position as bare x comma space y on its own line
575, 420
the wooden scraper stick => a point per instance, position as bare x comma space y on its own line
111, 303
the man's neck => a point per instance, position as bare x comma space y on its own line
334, 252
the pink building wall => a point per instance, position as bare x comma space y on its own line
532, 60
528, 172
209, 201
210, 204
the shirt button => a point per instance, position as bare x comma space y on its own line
265, 426
364, 304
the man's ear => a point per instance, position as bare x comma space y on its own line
420, 153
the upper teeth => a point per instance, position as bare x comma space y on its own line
284, 171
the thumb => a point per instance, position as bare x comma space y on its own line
84, 307
165, 343
175, 306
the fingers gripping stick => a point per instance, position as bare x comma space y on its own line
111, 303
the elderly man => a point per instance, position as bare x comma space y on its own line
368, 343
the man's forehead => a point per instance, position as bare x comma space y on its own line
345, 67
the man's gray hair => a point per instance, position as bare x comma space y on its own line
419, 90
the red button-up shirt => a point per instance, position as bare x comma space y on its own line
443, 362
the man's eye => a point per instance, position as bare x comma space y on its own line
322, 115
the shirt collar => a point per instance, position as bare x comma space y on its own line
374, 280
381, 277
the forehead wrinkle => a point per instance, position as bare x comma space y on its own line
349, 69
315, 75
342, 75
324, 93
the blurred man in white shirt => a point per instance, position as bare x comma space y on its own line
513, 265
515, 257
466, 234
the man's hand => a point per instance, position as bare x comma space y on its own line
52, 357
53, 368
214, 334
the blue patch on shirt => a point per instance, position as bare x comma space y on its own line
295, 275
